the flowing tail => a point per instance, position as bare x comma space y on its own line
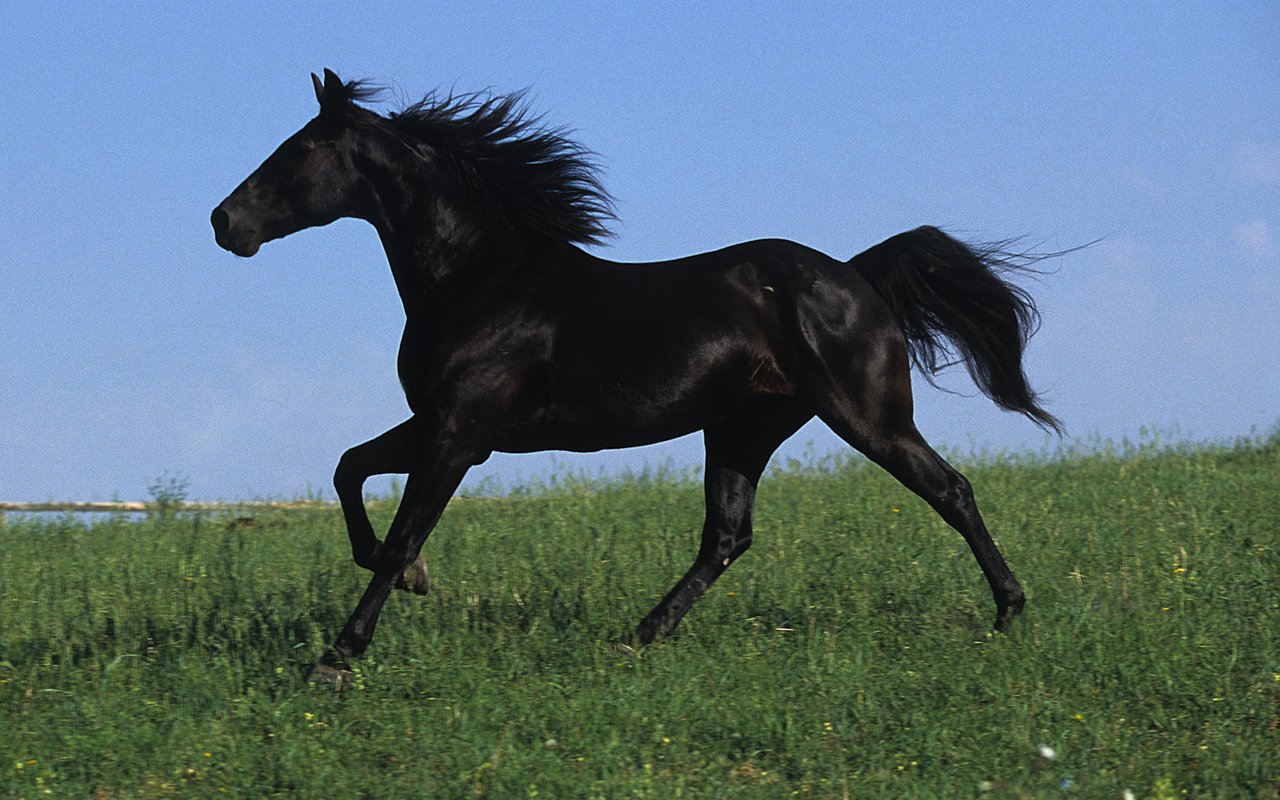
949, 298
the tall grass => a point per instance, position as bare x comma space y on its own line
847, 654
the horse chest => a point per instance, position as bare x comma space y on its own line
454, 370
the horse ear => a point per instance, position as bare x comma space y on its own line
332, 93
333, 85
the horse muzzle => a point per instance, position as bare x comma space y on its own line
232, 235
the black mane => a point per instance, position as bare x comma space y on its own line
533, 178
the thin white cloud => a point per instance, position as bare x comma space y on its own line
1259, 163
1254, 238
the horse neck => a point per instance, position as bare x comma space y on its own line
426, 237
432, 233
412, 280
429, 260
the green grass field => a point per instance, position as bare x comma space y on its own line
848, 654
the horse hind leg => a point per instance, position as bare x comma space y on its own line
951, 495
738, 449
876, 419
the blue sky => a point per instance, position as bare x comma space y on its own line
133, 346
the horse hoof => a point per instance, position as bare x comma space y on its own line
1006, 615
414, 578
331, 672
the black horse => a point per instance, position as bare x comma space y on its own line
516, 340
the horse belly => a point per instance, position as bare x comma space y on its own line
610, 409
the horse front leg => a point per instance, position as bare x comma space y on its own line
396, 451
427, 491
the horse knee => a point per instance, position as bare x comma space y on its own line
397, 556
347, 476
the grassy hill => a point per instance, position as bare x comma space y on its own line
847, 654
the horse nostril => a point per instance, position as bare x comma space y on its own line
221, 222
232, 234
